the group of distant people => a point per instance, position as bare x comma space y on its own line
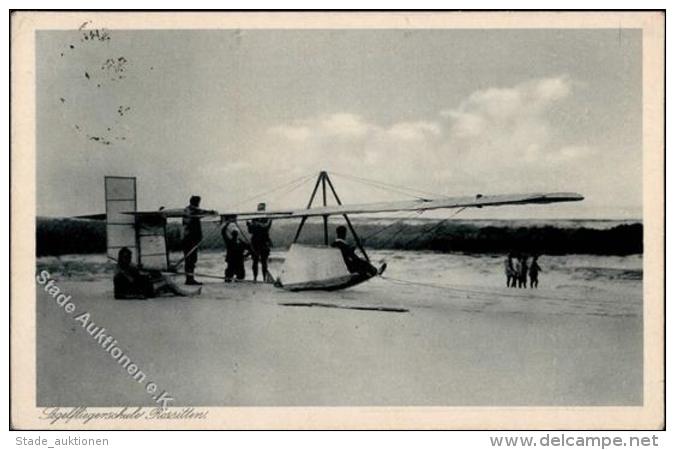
132, 281
517, 268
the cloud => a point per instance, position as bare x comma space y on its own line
350, 143
499, 108
332, 126
351, 127
514, 124
344, 125
292, 132
495, 140
414, 131
551, 89
573, 152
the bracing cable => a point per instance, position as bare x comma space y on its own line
391, 187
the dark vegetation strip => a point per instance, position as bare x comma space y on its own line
75, 236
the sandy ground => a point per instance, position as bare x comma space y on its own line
465, 340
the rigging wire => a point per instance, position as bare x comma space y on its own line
434, 228
301, 179
396, 222
287, 188
383, 187
281, 194
385, 184
392, 187
421, 235
290, 187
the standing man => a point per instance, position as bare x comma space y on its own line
236, 253
260, 243
518, 270
509, 271
534, 272
522, 276
192, 237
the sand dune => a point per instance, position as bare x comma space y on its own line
465, 340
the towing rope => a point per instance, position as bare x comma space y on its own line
445, 287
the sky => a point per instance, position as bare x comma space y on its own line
228, 114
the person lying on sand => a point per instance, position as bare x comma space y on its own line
132, 282
353, 262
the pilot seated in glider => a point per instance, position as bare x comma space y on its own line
353, 262
132, 282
